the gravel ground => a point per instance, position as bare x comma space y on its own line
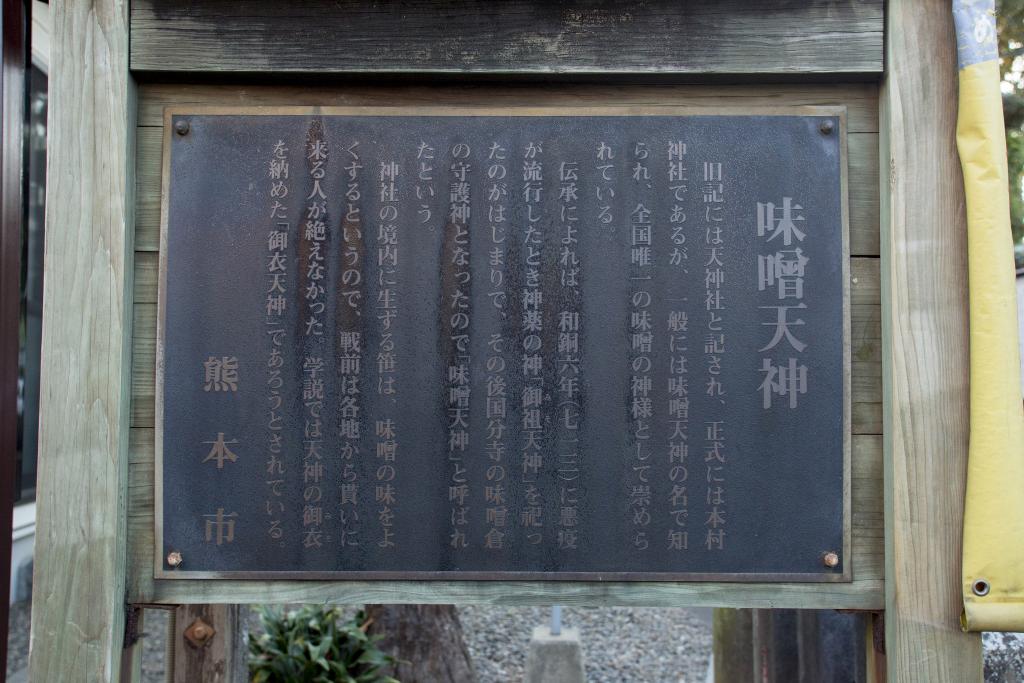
1004, 657
154, 644
635, 645
650, 645
620, 645
17, 636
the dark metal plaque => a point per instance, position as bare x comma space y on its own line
472, 344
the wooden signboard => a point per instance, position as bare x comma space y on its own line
600, 344
106, 444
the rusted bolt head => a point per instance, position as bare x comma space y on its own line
826, 127
181, 127
174, 558
830, 559
199, 632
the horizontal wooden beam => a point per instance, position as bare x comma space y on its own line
729, 37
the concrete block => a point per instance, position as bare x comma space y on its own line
555, 659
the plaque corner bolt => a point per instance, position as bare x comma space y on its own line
174, 559
830, 559
199, 633
826, 127
181, 127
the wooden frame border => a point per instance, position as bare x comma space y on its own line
837, 111
866, 590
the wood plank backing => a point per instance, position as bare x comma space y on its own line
514, 36
865, 592
78, 610
926, 356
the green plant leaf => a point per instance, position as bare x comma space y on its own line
315, 644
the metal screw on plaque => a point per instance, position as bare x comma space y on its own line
174, 558
826, 127
980, 587
181, 127
830, 559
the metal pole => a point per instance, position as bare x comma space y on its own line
556, 620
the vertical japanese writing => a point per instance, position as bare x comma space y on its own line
781, 276
276, 306
531, 516
641, 343
495, 490
713, 191
349, 349
387, 311
424, 181
678, 380
678, 185
604, 188
479, 343
459, 307
567, 359
313, 375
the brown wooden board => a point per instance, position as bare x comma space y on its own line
770, 147
729, 37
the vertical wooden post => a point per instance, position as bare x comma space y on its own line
874, 648
732, 644
762, 646
925, 368
219, 657
78, 610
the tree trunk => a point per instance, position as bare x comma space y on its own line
425, 639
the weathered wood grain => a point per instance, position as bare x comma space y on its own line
514, 37
221, 658
78, 610
924, 296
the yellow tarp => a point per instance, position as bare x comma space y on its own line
993, 552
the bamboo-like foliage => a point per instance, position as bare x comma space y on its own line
315, 644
